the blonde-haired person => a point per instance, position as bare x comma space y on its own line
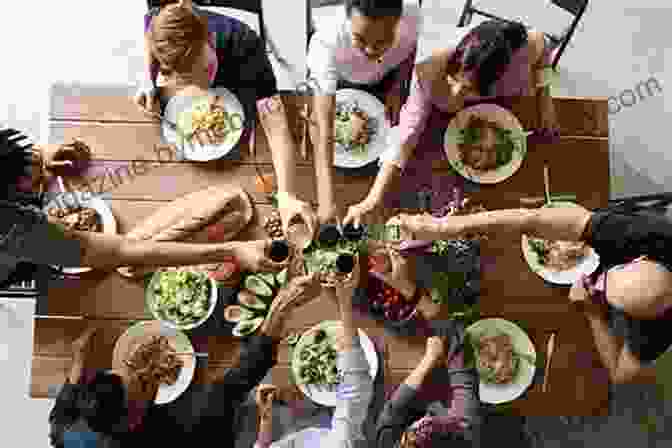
191, 47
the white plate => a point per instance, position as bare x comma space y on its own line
502, 393
178, 110
374, 108
139, 333
587, 266
149, 295
505, 120
85, 199
324, 395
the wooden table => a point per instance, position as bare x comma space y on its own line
119, 135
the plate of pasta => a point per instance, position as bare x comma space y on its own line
157, 353
209, 124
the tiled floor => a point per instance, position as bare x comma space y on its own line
618, 45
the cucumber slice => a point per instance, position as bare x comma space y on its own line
249, 299
247, 327
268, 278
282, 278
257, 285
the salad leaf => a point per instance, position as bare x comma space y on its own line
181, 296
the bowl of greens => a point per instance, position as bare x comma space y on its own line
181, 298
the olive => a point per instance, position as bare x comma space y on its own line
345, 263
279, 250
329, 235
353, 233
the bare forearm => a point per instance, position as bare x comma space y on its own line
265, 430
567, 223
103, 251
76, 370
283, 152
325, 107
389, 173
608, 346
420, 373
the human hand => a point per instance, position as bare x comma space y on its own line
83, 345
345, 290
393, 107
582, 301
402, 275
264, 397
327, 213
147, 100
436, 348
290, 208
297, 293
423, 227
253, 256
358, 213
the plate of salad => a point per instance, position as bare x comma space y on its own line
253, 301
505, 359
193, 111
181, 298
314, 362
559, 262
485, 143
360, 129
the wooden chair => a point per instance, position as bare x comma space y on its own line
574, 7
253, 6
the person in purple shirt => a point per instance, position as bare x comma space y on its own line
493, 59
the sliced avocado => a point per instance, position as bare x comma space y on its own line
257, 285
235, 313
247, 327
249, 299
268, 278
282, 277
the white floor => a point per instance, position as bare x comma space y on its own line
618, 45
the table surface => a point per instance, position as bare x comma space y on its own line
120, 135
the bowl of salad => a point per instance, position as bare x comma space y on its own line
182, 299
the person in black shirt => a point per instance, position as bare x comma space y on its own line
628, 301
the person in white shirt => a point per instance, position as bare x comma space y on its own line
370, 46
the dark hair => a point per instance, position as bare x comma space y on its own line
375, 8
103, 402
488, 49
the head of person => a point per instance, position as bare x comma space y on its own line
482, 56
641, 288
178, 42
374, 25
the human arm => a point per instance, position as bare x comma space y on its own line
557, 223
273, 118
264, 397
540, 61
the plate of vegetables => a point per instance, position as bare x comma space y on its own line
314, 362
181, 298
253, 301
485, 143
333, 255
360, 128
505, 359
559, 262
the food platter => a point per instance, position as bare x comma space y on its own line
505, 121
142, 332
501, 393
344, 157
151, 297
79, 199
322, 394
180, 109
586, 266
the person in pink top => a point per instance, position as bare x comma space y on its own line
493, 59
369, 46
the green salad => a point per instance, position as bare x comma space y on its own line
316, 361
505, 142
345, 131
323, 259
180, 296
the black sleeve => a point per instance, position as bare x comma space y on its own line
617, 237
646, 339
399, 412
64, 413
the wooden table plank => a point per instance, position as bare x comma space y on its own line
576, 116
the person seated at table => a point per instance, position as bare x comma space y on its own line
416, 415
627, 300
369, 46
354, 393
112, 406
189, 46
494, 59
29, 239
